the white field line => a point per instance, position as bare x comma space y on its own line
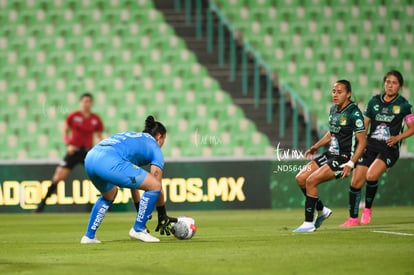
393, 233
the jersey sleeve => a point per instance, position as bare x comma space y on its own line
368, 110
358, 121
157, 158
69, 119
407, 109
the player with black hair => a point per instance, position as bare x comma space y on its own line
116, 162
78, 135
346, 138
385, 116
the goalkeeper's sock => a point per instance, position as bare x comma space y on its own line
146, 206
97, 215
371, 190
354, 200
310, 208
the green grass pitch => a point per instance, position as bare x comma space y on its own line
227, 242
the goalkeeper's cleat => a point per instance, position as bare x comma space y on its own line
322, 216
366, 216
350, 222
305, 227
86, 240
142, 236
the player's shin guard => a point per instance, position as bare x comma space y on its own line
146, 206
354, 200
371, 190
310, 208
97, 215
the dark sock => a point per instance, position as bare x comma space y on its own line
371, 190
319, 203
303, 191
310, 208
136, 206
354, 200
50, 191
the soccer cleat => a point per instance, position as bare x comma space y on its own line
142, 236
366, 216
350, 222
305, 227
86, 240
325, 213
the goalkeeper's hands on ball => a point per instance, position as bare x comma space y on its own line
164, 222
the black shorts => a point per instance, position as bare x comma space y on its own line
333, 161
70, 161
389, 155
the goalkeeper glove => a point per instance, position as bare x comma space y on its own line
164, 221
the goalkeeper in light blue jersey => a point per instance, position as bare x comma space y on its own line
116, 162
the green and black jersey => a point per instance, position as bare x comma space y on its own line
343, 125
387, 118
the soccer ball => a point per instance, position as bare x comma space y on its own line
184, 228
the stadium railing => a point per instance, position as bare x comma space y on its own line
286, 93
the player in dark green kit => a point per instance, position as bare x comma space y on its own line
385, 116
346, 138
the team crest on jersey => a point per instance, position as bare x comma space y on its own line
359, 123
342, 121
396, 109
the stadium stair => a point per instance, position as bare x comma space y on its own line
187, 31
125, 54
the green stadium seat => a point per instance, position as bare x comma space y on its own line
91, 46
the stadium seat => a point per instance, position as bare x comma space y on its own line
353, 42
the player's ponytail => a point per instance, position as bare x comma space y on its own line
154, 127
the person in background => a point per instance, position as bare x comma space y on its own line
385, 116
78, 134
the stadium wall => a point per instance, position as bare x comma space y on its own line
197, 184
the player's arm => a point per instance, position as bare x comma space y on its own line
66, 133
362, 142
99, 136
409, 121
164, 220
99, 130
367, 123
157, 173
67, 129
322, 142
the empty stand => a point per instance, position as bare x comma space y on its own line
310, 44
129, 58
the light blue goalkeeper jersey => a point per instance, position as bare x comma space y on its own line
138, 148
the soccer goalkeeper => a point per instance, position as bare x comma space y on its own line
115, 162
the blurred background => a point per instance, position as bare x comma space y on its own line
228, 78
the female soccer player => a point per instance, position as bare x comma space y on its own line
384, 116
346, 127
116, 162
